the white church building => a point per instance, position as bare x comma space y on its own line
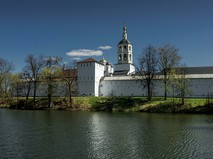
100, 78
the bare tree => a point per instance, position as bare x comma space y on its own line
50, 74
168, 60
26, 85
70, 78
32, 71
148, 67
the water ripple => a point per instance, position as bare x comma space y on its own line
37, 134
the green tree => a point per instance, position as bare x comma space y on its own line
16, 84
182, 84
5, 72
51, 74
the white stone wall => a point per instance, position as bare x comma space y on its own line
86, 74
127, 66
130, 86
121, 86
99, 73
60, 89
89, 75
201, 87
91, 81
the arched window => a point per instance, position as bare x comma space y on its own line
119, 57
120, 48
124, 56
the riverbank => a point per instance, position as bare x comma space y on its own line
114, 104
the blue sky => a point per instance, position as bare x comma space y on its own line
56, 27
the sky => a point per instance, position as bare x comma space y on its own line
80, 29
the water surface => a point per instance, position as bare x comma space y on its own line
60, 134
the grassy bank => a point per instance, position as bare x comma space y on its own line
122, 104
157, 105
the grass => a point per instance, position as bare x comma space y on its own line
121, 104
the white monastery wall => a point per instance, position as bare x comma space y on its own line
86, 74
112, 86
99, 73
89, 74
201, 87
121, 86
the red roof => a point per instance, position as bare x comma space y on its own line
70, 73
87, 60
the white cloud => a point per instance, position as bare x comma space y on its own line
76, 58
104, 47
84, 52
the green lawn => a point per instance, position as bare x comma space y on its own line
123, 104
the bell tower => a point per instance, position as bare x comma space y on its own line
124, 64
124, 48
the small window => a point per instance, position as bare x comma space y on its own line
124, 56
120, 48
119, 57
125, 47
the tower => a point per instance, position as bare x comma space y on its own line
124, 48
124, 64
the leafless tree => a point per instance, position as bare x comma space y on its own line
32, 72
168, 59
70, 78
147, 67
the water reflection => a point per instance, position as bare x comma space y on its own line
147, 135
43, 134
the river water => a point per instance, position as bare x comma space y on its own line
61, 134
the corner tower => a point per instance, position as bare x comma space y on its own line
124, 48
124, 64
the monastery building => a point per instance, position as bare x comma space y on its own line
100, 78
